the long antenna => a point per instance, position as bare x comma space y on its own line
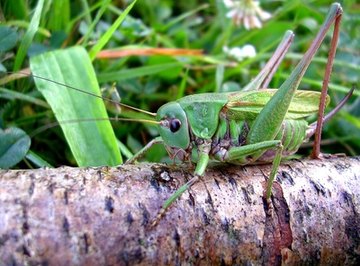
85, 92
58, 123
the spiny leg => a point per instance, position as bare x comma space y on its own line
274, 169
172, 198
316, 148
268, 122
199, 171
144, 149
235, 153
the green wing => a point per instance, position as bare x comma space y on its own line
247, 105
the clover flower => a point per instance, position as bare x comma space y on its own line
246, 12
240, 53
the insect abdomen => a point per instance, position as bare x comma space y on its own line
292, 134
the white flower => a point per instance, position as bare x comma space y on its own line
240, 53
246, 12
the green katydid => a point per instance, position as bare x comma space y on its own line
256, 125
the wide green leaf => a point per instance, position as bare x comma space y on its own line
14, 144
8, 38
92, 143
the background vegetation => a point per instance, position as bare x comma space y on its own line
148, 81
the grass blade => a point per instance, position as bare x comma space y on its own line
37, 160
106, 37
137, 72
92, 143
29, 35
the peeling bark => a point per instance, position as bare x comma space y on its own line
102, 216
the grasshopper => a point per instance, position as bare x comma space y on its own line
256, 125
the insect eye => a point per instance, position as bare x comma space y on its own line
175, 125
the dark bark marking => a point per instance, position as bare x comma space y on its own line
285, 177
347, 198
87, 243
155, 184
176, 238
298, 169
222, 262
205, 217
51, 187
246, 195
44, 263
231, 232
341, 167
233, 182
66, 197
3, 239
145, 215
25, 251
129, 218
31, 188
109, 204
66, 226
191, 199
217, 183
11, 261
130, 258
318, 188
352, 229
25, 225
225, 225
209, 200
100, 174
299, 216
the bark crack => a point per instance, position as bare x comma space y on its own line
278, 233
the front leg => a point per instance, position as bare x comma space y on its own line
140, 153
201, 165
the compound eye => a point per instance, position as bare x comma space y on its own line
175, 125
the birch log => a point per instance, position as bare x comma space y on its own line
102, 216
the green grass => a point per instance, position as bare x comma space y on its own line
31, 28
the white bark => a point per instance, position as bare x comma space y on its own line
101, 216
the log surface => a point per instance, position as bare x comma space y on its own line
102, 216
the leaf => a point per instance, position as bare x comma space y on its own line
139, 72
93, 143
37, 160
29, 36
8, 38
14, 144
12, 95
106, 37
